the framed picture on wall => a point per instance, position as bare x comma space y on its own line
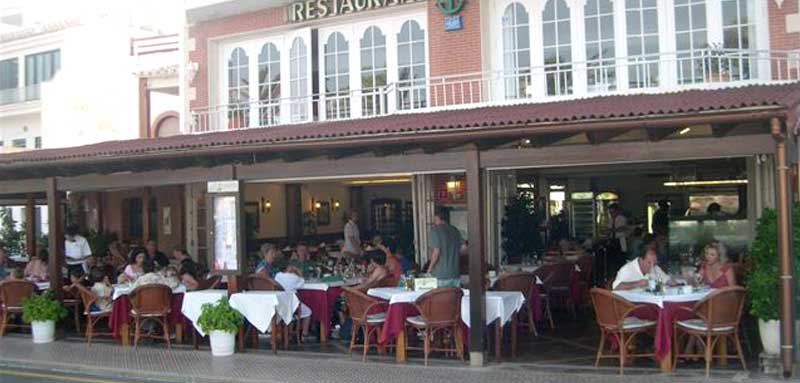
324, 213
166, 220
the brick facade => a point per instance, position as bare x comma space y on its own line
780, 38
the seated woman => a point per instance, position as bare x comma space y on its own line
376, 270
101, 287
36, 270
290, 278
716, 271
189, 279
135, 268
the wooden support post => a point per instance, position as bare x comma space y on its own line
30, 226
785, 257
55, 238
477, 297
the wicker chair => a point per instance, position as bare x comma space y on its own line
151, 302
558, 284
719, 315
212, 282
440, 313
88, 299
521, 282
72, 301
613, 315
368, 314
257, 282
11, 295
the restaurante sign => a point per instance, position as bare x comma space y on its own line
318, 9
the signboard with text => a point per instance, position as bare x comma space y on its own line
225, 235
308, 10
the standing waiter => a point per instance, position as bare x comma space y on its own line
76, 249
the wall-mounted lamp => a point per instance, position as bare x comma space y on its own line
315, 205
266, 205
335, 204
452, 186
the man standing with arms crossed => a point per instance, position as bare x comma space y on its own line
445, 243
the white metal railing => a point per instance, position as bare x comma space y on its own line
154, 44
665, 72
20, 94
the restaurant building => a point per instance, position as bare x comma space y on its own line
393, 108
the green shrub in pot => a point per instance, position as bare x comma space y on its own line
219, 316
42, 308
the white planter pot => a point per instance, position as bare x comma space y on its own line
43, 332
770, 332
222, 343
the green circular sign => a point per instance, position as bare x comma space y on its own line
449, 7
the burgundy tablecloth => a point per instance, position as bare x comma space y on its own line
535, 303
321, 304
664, 318
121, 313
396, 321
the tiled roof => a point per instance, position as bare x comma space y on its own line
783, 96
39, 30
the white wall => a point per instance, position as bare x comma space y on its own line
26, 126
94, 97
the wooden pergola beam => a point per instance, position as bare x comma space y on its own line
597, 138
722, 130
55, 238
658, 134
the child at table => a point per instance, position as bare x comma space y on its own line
101, 288
289, 277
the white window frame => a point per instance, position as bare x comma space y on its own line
307, 98
378, 95
604, 64
513, 75
571, 80
324, 35
694, 56
270, 102
414, 88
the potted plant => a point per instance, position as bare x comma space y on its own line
221, 322
763, 280
42, 312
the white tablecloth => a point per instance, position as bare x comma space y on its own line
670, 295
42, 286
499, 304
193, 302
259, 307
125, 289
324, 286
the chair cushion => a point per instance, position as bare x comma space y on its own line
416, 321
633, 323
133, 312
100, 312
376, 318
699, 325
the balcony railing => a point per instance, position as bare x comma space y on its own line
706, 68
154, 44
19, 95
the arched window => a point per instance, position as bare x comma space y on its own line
739, 34
298, 80
337, 77
516, 51
557, 48
411, 66
238, 92
269, 84
691, 41
601, 72
643, 49
373, 72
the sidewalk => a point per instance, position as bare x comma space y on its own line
186, 365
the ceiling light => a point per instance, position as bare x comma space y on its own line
705, 183
684, 131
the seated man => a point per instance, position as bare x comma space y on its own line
266, 266
302, 260
637, 273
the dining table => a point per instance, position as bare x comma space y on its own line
119, 320
264, 310
320, 296
501, 307
665, 308
193, 302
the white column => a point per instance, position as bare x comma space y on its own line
621, 43
578, 45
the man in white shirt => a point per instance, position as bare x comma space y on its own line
638, 272
352, 238
76, 249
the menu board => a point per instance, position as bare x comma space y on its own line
226, 246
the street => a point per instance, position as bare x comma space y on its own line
36, 376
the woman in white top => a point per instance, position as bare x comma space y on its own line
289, 278
101, 288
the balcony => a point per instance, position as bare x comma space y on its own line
20, 95
666, 72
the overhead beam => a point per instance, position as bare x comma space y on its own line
722, 130
596, 138
626, 152
658, 134
550, 139
492, 143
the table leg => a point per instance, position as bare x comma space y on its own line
666, 363
178, 333
241, 337
323, 334
513, 336
400, 344
273, 337
498, 340
125, 334
722, 351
